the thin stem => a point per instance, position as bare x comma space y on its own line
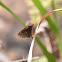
31, 50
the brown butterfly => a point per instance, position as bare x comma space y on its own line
27, 32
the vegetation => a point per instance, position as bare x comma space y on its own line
53, 25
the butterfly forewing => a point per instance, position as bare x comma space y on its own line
26, 32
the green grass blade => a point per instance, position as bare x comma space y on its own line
53, 8
12, 14
59, 43
52, 25
47, 54
39, 6
42, 9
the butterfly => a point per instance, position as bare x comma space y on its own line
27, 32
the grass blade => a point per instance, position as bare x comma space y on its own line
17, 18
47, 54
42, 9
53, 8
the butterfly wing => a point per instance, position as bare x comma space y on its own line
26, 32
